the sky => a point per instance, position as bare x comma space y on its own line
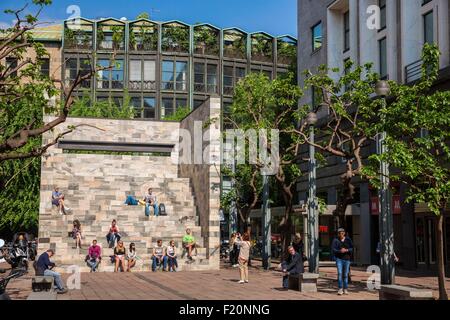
277, 17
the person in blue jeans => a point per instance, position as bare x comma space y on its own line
342, 248
44, 267
150, 201
159, 256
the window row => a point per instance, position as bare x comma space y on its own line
174, 75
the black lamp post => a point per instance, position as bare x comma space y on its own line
382, 90
313, 216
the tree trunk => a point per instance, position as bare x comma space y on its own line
440, 256
344, 199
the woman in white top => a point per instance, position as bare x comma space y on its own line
131, 257
171, 252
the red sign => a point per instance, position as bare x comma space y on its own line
375, 205
397, 207
323, 229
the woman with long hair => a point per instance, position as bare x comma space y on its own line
244, 255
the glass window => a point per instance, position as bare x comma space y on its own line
117, 75
383, 58
240, 73
199, 77
71, 70
428, 23
317, 36
166, 107
45, 67
103, 75
211, 80
181, 76
382, 5
149, 70
347, 31
167, 75
149, 108
135, 70
228, 76
136, 103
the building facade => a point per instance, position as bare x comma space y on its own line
332, 32
166, 65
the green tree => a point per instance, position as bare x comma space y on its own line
348, 128
179, 114
261, 104
143, 15
417, 122
25, 96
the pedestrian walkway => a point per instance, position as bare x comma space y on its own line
213, 285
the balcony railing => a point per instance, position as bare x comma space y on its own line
110, 45
83, 44
206, 50
114, 84
283, 59
146, 46
175, 47
262, 57
413, 71
142, 85
233, 53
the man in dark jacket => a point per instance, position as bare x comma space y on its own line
44, 266
342, 248
292, 266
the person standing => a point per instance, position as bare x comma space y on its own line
244, 254
342, 248
94, 256
44, 268
234, 250
76, 233
292, 266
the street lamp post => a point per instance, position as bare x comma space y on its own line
385, 218
266, 224
313, 216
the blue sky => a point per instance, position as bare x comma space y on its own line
273, 16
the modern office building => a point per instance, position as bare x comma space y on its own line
333, 31
166, 65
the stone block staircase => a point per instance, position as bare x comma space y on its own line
95, 207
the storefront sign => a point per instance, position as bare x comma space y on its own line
323, 229
375, 205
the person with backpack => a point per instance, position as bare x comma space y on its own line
342, 249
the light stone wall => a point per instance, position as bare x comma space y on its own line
205, 178
96, 185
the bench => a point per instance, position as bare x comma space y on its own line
304, 282
396, 292
42, 284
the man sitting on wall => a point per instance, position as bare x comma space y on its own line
292, 266
159, 256
150, 201
189, 243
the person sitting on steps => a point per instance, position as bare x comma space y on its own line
189, 243
150, 201
131, 257
94, 256
119, 254
58, 200
76, 233
159, 256
113, 234
172, 256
